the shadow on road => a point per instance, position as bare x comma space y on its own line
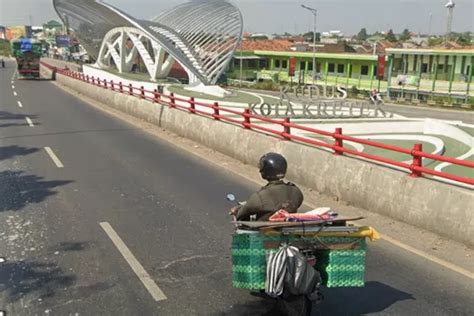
72, 246
259, 307
13, 116
21, 278
18, 189
375, 297
8, 152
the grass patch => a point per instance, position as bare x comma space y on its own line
466, 129
238, 97
407, 144
460, 170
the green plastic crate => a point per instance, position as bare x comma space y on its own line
338, 268
343, 268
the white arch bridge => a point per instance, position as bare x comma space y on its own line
199, 35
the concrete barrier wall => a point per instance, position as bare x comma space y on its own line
438, 207
61, 63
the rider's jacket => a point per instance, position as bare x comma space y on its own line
271, 198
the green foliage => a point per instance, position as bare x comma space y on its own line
4, 47
267, 85
464, 38
362, 35
390, 36
405, 36
354, 91
435, 41
309, 36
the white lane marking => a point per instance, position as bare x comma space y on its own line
29, 121
55, 158
15, 94
13, 86
20, 104
14, 74
144, 277
429, 257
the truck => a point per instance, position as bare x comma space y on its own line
27, 53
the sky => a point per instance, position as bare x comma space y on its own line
278, 16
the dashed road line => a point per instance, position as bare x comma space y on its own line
14, 74
20, 104
144, 277
15, 94
55, 158
29, 121
13, 86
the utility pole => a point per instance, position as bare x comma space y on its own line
314, 12
450, 6
429, 25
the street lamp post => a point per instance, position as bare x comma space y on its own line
314, 12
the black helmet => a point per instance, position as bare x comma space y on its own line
272, 166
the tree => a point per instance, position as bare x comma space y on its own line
309, 36
435, 41
464, 38
390, 36
362, 35
405, 35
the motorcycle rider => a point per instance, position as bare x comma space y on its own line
275, 195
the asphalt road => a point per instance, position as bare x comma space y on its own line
168, 209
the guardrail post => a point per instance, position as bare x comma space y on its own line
192, 105
338, 141
112, 85
172, 103
105, 84
216, 111
156, 96
417, 161
87, 78
286, 128
246, 115
142, 92
121, 87
98, 82
130, 89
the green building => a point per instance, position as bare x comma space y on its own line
414, 74
420, 73
345, 69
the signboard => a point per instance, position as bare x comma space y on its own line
3, 33
63, 41
26, 45
15, 32
292, 68
381, 67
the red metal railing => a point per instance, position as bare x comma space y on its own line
245, 117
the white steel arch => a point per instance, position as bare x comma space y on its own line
208, 31
200, 35
116, 51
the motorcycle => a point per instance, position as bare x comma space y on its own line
291, 301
